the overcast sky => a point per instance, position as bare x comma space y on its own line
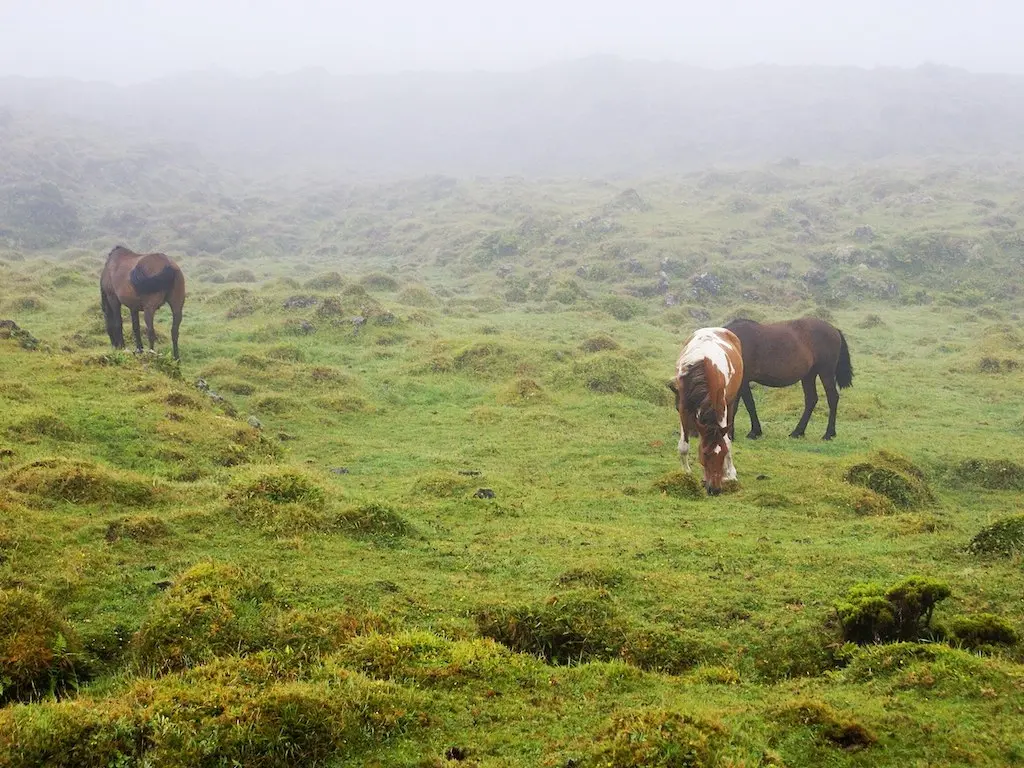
127, 41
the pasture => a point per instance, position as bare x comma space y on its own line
434, 516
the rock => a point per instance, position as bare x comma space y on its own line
483, 493
301, 302
201, 385
706, 283
339, 470
255, 423
864, 233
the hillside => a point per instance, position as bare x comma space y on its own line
908, 232
412, 496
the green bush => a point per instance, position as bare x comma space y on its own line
992, 474
903, 612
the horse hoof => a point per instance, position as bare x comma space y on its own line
753, 435
827, 437
796, 434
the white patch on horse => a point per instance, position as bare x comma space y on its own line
730, 468
710, 343
718, 449
684, 451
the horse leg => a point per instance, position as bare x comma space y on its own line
150, 332
810, 400
115, 323
175, 323
832, 395
136, 330
748, 400
684, 447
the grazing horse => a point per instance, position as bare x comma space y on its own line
141, 282
707, 383
781, 354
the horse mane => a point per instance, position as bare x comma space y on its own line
697, 398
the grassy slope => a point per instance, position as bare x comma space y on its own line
750, 578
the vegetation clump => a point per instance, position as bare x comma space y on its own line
991, 474
680, 485
611, 373
871, 614
441, 485
979, 631
599, 343
145, 529
235, 711
827, 724
211, 610
585, 625
79, 482
659, 738
894, 477
522, 391
1003, 537
38, 648
280, 501
373, 520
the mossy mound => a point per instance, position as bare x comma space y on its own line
38, 648
145, 529
1004, 537
441, 485
991, 474
613, 373
523, 391
979, 631
827, 725
894, 477
374, 521
680, 485
79, 482
280, 501
586, 625
210, 610
235, 711
658, 738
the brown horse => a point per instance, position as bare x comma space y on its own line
142, 282
707, 383
781, 354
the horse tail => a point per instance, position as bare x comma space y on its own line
159, 283
844, 371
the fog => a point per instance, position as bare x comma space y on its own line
123, 42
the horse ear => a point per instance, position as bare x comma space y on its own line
716, 389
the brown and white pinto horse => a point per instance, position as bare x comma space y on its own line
707, 384
141, 282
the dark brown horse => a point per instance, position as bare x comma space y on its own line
707, 384
143, 282
781, 354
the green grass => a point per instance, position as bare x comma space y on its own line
335, 586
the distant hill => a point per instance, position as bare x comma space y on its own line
590, 117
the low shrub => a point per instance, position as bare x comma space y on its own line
871, 614
142, 528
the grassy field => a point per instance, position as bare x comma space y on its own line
401, 506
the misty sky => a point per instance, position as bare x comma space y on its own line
128, 41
